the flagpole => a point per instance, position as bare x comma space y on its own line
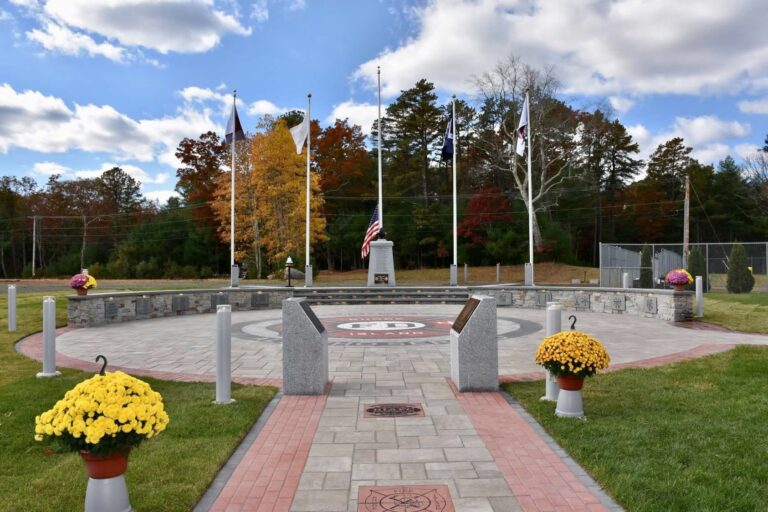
309, 137
530, 183
232, 193
381, 205
455, 150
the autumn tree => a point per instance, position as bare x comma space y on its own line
272, 200
203, 159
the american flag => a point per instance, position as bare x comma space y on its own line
371, 233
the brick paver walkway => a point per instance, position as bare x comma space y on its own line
313, 453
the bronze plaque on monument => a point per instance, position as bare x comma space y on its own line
463, 317
312, 316
381, 278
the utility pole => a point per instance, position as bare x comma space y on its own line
686, 220
34, 242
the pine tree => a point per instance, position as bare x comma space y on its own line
698, 267
740, 278
646, 270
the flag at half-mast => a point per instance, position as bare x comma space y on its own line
300, 133
522, 129
447, 151
234, 128
371, 233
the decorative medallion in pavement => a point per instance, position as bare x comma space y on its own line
392, 410
374, 330
405, 498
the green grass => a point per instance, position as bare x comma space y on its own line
686, 437
747, 312
168, 473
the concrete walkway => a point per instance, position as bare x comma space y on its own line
468, 452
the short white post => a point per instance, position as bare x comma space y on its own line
498, 272
49, 339
454, 276
699, 297
223, 354
625, 282
553, 326
11, 308
466, 272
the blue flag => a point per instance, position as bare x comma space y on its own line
234, 128
447, 151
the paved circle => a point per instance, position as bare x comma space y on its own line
382, 330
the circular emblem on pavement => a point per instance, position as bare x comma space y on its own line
393, 410
380, 325
406, 499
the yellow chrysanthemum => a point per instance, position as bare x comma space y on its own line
572, 353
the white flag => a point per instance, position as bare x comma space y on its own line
522, 129
300, 133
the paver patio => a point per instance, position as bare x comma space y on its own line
314, 453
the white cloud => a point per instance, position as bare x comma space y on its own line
133, 171
260, 11
265, 107
161, 196
705, 134
37, 122
746, 150
50, 168
621, 104
5, 15
600, 47
754, 106
362, 114
57, 38
127, 26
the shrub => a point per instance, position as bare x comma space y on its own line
740, 278
646, 272
698, 267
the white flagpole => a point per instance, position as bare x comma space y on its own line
455, 150
381, 203
309, 136
232, 194
529, 134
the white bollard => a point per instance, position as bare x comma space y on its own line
49, 339
11, 308
466, 272
699, 296
553, 326
498, 272
224, 354
528, 274
625, 281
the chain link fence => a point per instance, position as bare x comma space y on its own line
616, 259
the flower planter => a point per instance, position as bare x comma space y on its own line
106, 491
679, 287
569, 401
108, 466
81, 291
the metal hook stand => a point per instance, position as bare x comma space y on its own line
573, 323
104, 366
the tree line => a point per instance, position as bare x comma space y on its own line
590, 186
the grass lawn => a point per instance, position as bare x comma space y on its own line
167, 473
746, 312
690, 436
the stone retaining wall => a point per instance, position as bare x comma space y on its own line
666, 305
99, 309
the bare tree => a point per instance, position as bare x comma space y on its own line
501, 93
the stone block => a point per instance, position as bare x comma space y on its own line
305, 350
474, 346
259, 300
381, 267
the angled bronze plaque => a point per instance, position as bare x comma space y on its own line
463, 317
312, 316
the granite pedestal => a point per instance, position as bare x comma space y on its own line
381, 267
305, 350
474, 346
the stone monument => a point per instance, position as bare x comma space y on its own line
474, 346
305, 350
381, 266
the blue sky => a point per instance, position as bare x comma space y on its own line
86, 85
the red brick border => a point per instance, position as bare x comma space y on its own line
539, 479
268, 475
